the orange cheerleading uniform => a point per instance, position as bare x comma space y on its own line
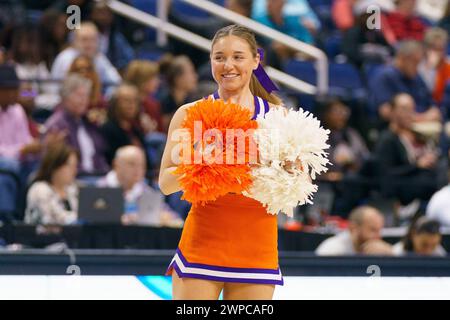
231, 239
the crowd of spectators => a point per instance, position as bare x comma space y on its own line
89, 102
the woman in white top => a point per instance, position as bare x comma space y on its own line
423, 238
26, 52
53, 197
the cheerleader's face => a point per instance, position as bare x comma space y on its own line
232, 63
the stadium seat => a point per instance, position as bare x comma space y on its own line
315, 3
149, 52
174, 201
445, 105
370, 69
345, 81
322, 8
307, 101
148, 6
303, 70
185, 9
332, 45
34, 15
9, 194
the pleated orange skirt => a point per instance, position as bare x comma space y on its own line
232, 239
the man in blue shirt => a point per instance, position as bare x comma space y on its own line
402, 77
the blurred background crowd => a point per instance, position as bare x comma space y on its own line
91, 106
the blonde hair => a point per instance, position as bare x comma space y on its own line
246, 34
96, 90
140, 71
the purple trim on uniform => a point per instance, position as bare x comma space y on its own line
257, 107
225, 269
255, 101
224, 279
266, 106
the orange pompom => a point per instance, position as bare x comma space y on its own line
221, 147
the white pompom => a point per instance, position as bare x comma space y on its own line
288, 135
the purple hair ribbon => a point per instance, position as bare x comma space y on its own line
262, 76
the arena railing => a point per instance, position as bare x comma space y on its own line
166, 28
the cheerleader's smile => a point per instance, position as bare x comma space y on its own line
231, 76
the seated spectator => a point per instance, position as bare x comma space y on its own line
403, 22
181, 78
26, 99
53, 35
365, 225
402, 76
112, 42
86, 42
347, 148
292, 17
423, 238
362, 44
84, 66
53, 197
26, 53
143, 204
16, 142
70, 118
348, 152
409, 166
145, 76
435, 68
438, 208
122, 127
